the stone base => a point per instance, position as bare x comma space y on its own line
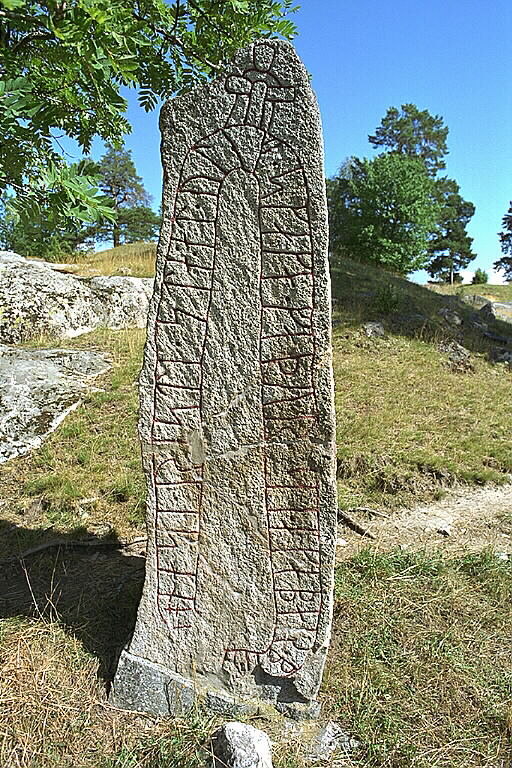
143, 686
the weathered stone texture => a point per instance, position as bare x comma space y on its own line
36, 299
237, 416
38, 388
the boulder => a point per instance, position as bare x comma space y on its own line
122, 302
450, 316
503, 356
36, 299
475, 301
238, 745
38, 388
458, 356
374, 330
503, 310
487, 313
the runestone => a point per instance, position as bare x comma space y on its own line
237, 409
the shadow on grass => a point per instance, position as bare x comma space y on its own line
92, 589
364, 292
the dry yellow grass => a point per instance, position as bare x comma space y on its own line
54, 711
488, 290
50, 699
135, 260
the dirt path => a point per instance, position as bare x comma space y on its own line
464, 521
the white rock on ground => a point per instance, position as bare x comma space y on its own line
35, 299
329, 739
38, 388
238, 745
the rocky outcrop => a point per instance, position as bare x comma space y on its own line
502, 310
451, 317
490, 310
38, 388
36, 299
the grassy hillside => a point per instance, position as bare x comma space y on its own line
492, 292
409, 423
420, 668
135, 260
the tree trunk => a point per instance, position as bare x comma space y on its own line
451, 273
116, 236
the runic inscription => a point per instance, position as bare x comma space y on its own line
237, 421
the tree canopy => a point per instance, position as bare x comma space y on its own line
382, 210
63, 64
124, 191
406, 135
132, 219
450, 246
505, 263
413, 132
480, 277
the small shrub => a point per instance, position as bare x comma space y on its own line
387, 299
480, 277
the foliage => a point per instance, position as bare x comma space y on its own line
387, 299
118, 179
138, 224
338, 202
132, 220
480, 277
382, 210
63, 64
39, 237
450, 246
505, 263
419, 134
415, 133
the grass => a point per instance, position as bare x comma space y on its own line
54, 713
87, 475
135, 260
440, 430
408, 424
493, 292
419, 672
420, 667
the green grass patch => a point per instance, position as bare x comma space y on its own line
420, 669
408, 425
88, 473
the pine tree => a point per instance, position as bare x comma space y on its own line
450, 246
415, 133
505, 263
124, 191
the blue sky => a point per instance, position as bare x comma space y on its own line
452, 57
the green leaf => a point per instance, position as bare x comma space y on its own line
11, 5
73, 87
